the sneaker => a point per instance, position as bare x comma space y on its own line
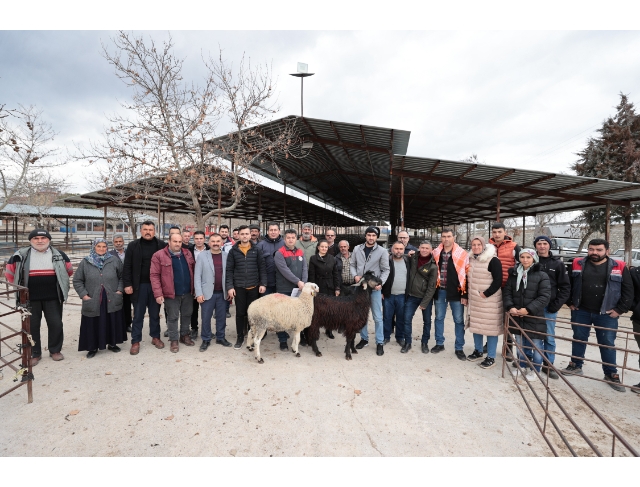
223, 342
460, 354
238, 344
380, 349
475, 356
636, 388
614, 382
425, 348
283, 346
437, 349
362, 344
228, 315
552, 373
516, 373
572, 369
531, 375
488, 363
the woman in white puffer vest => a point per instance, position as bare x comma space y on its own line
485, 314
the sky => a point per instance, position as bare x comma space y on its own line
523, 99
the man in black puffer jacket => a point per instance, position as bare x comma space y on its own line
527, 293
560, 290
246, 278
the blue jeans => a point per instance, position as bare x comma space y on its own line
215, 304
376, 312
534, 356
549, 341
411, 304
492, 344
604, 337
145, 301
457, 310
394, 306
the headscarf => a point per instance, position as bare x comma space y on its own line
95, 259
482, 241
520, 270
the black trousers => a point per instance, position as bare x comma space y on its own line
126, 308
244, 297
52, 310
194, 315
636, 329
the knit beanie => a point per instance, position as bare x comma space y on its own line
39, 232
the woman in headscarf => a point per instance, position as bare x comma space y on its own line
98, 282
526, 294
484, 312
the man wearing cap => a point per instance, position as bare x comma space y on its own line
370, 257
560, 290
307, 242
255, 233
45, 271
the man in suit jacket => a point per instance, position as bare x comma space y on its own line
210, 289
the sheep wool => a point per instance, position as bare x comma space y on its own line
279, 312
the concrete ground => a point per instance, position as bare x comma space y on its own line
221, 402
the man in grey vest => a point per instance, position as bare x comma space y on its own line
291, 273
45, 271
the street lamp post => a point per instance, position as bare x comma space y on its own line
303, 72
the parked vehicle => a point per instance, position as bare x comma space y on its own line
635, 256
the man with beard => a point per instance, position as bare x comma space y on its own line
602, 290
307, 243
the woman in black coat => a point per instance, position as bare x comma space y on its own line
324, 272
526, 293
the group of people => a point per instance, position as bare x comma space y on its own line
203, 278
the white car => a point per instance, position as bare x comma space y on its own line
635, 256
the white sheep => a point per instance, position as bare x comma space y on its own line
279, 312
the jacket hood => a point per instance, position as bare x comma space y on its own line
487, 254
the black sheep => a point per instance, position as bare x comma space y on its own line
344, 314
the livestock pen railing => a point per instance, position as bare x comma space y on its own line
549, 405
16, 357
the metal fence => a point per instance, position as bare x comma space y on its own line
16, 356
550, 411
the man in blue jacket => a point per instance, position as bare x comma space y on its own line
602, 291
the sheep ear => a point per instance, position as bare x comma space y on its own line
364, 286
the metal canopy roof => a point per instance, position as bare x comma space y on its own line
438, 191
348, 166
270, 203
360, 168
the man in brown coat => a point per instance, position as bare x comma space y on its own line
172, 284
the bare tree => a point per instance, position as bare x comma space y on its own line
25, 145
38, 194
160, 147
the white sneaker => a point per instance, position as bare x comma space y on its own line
531, 375
516, 374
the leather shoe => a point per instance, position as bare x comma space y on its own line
380, 349
386, 340
35, 360
135, 348
461, 356
194, 333
284, 346
437, 349
401, 342
173, 346
166, 334
91, 353
425, 348
186, 339
157, 342
204, 345
57, 356
129, 329
114, 348
223, 342
406, 347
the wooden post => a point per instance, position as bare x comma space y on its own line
104, 223
158, 215
219, 204
607, 222
498, 207
401, 203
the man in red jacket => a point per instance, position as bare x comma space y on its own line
172, 284
508, 252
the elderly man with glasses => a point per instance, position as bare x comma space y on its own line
330, 236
